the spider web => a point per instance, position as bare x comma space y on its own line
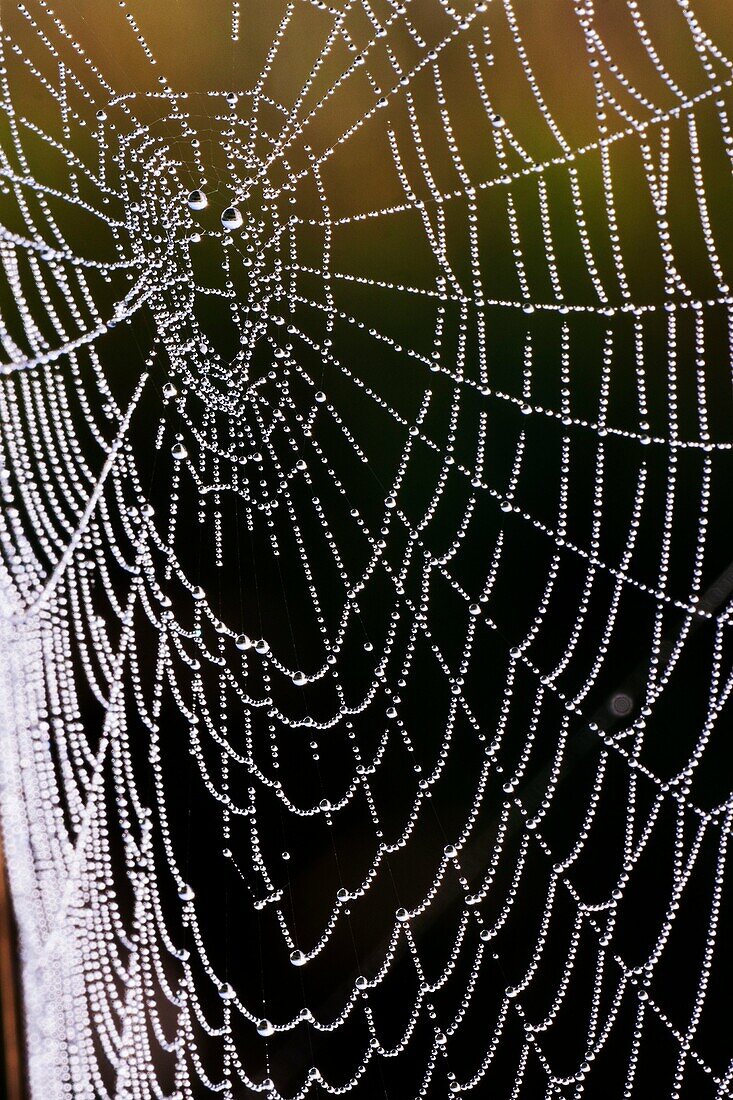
365, 453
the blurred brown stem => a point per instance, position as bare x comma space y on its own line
9, 997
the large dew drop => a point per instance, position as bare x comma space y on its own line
231, 218
197, 200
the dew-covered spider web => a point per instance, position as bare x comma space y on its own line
365, 445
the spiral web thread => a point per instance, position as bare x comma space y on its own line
130, 432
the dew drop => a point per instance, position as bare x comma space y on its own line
197, 200
231, 218
265, 1028
297, 958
